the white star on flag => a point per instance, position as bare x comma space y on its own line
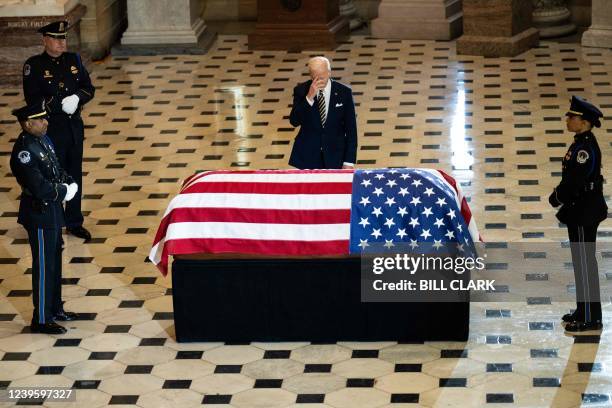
405, 176
414, 222
439, 222
427, 212
377, 211
364, 222
402, 211
429, 192
403, 191
389, 223
365, 201
363, 243
451, 214
366, 182
390, 201
388, 243
378, 191
416, 183
437, 243
376, 232
391, 183
460, 247
460, 228
415, 201
413, 243
441, 201
379, 176
401, 232
425, 234
449, 234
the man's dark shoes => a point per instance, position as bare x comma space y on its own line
568, 318
583, 326
47, 328
64, 316
80, 232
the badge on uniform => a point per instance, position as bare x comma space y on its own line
26, 69
47, 74
24, 156
582, 157
74, 69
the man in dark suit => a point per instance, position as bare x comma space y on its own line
325, 112
60, 79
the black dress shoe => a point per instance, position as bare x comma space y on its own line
64, 316
583, 326
568, 318
48, 328
80, 232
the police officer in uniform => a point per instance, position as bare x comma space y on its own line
44, 186
583, 207
60, 79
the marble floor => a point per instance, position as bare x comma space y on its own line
495, 124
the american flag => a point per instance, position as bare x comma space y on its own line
290, 212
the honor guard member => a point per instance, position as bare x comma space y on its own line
60, 79
44, 186
583, 207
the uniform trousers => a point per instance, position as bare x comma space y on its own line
45, 245
582, 244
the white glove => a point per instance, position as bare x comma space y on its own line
70, 104
71, 190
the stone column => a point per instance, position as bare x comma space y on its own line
551, 18
163, 26
418, 19
600, 32
348, 10
497, 28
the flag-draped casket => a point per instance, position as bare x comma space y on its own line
312, 213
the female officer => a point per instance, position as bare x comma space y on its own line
583, 207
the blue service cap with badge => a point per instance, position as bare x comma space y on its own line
57, 29
35, 111
588, 111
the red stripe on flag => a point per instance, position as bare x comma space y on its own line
248, 246
261, 216
269, 188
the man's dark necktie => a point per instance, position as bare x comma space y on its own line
321, 105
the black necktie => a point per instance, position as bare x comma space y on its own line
321, 105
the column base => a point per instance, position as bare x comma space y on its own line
419, 20
595, 37
497, 46
422, 29
201, 47
187, 36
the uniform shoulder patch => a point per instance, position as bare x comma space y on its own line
582, 156
24, 157
27, 69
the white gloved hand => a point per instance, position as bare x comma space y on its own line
70, 104
71, 190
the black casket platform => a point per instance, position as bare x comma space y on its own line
310, 299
